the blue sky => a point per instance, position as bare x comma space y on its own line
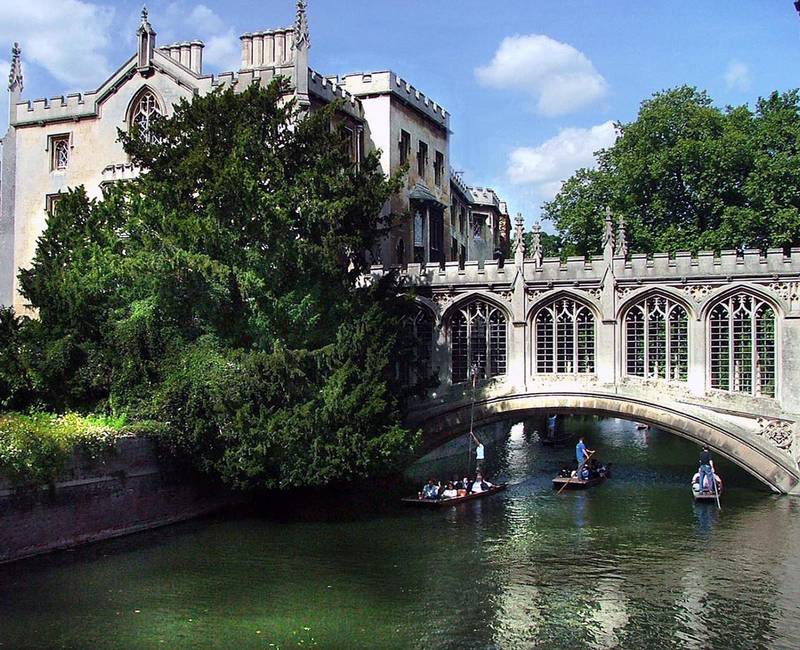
532, 86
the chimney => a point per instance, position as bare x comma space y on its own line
188, 54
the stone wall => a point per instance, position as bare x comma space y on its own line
127, 490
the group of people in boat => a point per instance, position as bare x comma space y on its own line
587, 467
586, 472
436, 490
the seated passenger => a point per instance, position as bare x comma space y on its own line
584, 473
450, 491
480, 484
431, 490
564, 472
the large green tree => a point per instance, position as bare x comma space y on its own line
688, 176
219, 295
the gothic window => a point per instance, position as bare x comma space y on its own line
656, 339
145, 108
564, 338
438, 168
405, 146
400, 252
422, 159
421, 326
59, 152
51, 202
478, 336
742, 346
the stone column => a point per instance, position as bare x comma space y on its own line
787, 363
697, 357
440, 357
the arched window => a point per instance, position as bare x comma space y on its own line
421, 326
564, 338
143, 110
656, 339
742, 346
478, 336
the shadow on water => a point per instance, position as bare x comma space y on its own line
633, 563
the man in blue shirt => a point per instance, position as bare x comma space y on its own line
581, 452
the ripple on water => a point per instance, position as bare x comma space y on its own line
631, 564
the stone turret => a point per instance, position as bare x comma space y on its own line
302, 41
537, 246
519, 240
146, 39
608, 238
15, 82
622, 238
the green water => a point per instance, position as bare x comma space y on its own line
631, 564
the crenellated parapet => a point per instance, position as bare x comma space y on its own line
386, 81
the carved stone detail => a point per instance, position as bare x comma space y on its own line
533, 294
624, 291
788, 291
508, 296
442, 299
698, 291
595, 292
778, 432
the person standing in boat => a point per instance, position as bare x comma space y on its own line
581, 452
706, 470
479, 453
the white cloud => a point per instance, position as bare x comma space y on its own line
183, 21
559, 77
737, 76
68, 38
547, 166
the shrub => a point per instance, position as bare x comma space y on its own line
35, 448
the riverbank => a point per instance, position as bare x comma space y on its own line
125, 489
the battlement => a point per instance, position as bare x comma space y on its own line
639, 269
72, 106
487, 196
456, 180
387, 82
328, 88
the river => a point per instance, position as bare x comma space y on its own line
633, 563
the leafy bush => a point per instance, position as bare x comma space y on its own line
35, 448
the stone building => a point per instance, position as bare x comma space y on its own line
54, 144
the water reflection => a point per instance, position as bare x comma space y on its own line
633, 563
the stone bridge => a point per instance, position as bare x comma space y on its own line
705, 346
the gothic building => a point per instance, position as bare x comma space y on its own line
54, 144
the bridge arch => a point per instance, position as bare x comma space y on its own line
564, 292
432, 307
646, 292
774, 467
757, 290
470, 296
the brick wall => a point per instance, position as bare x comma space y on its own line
127, 490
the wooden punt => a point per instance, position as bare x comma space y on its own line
708, 496
577, 483
438, 503
705, 496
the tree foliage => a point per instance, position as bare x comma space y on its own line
218, 294
689, 176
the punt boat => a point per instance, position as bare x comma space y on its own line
577, 483
439, 503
